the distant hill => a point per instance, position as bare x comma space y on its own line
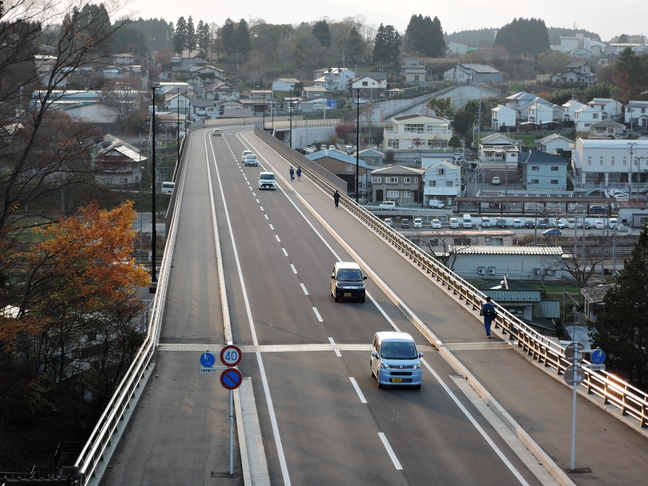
485, 37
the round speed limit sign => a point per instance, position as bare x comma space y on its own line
231, 355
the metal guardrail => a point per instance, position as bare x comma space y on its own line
630, 401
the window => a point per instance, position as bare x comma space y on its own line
601, 160
461, 241
407, 194
416, 180
449, 184
365, 83
440, 171
612, 160
535, 181
391, 180
434, 242
393, 143
554, 168
395, 194
414, 128
535, 168
589, 160
407, 180
376, 180
554, 181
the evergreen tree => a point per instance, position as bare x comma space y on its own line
203, 36
191, 35
180, 35
242, 42
354, 47
227, 37
437, 41
631, 75
322, 32
386, 45
524, 36
621, 329
424, 36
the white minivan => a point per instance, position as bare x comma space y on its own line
395, 360
167, 187
466, 221
267, 180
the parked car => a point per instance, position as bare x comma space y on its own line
485, 223
571, 223
543, 223
621, 195
404, 223
529, 223
436, 224
613, 223
501, 223
496, 181
599, 224
454, 223
418, 223
552, 232
389, 222
561, 223
517, 223
388, 205
597, 209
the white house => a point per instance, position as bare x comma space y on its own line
499, 149
569, 108
542, 111
610, 108
473, 73
442, 180
370, 85
413, 71
585, 116
457, 49
418, 132
554, 144
334, 79
503, 116
607, 128
636, 114
284, 84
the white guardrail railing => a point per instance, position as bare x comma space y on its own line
630, 401
609, 389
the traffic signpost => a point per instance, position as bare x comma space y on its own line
231, 378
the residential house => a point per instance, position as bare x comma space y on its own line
499, 156
311, 106
344, 166
610, 108
541, 111
419, 132
543, 171
445, 243
123, 59
607, 128
203, 75
334, 79
473, 74
585, 116
521, 102
117, 163
220, 91
313, 92
397, 183
593, 300
442, 181
413, 72
503, 116
180, 104
569, 109
633, 212
371, 157
87, 105
576, 72
284, 84
554, 144
607, 163
580, 54
370, 85
636, 114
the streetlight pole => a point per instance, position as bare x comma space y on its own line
632, 144
178, 112
153, 188
290, 108
357, 143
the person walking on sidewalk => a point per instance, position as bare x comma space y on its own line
298, 174
292, 173
489, 313
336, 198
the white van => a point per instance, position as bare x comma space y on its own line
167, 187
395, 360
267, 180
466, 221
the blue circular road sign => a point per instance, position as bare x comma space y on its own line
597, 356
231, 378
207, 359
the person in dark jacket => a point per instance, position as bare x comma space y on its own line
489, 313
336, 198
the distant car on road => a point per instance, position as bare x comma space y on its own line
454, 223
485, 223
552, 232
435, 203
389, 222
599, 224
418, 223
597, 209
436, 224
405, 223
496, 181
517, 223
388, 205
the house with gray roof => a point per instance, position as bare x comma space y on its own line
543, 171
397, 183
473, 74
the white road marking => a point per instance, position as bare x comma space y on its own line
278, 239
317, 314
304, 288
271, 226
336, 349
284, 252
357, 389
293, 268
390, 451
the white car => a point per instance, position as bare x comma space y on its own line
517, 223
613, 223
599, 224
496, 181
436, 223
454, 223
245, 152
251, 160
388, 205
389, 222
418, 223
485, 223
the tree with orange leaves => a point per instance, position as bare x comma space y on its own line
78, 307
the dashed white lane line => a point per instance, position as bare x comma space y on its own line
317, 314
390, 451
284, 252
304, 288
293, 268
271, 226
278, 239
357, 389
336, 349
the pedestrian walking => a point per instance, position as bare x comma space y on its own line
489, 313
292, 173
298, 174
336, 198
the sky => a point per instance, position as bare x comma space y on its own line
598, 16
